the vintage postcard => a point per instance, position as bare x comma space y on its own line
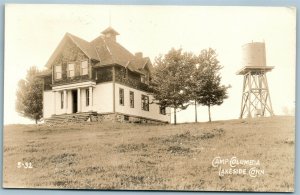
177, 98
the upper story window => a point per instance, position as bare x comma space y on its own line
125, 73
121, 96
145, 102
131, 99
58, 72
71, 70
84, 68
143, 79
147, 78
162, 110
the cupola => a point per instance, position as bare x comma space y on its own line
110, 33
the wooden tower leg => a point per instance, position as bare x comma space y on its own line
256, 96
249, 94
243, 97
268, 97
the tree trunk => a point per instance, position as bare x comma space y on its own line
36, 120
175, 122
209, 113
196, 112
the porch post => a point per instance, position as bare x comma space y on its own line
54, 102
78, 100
65, 101
90, 98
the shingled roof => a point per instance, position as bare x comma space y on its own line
139, 64
111, 52
85, 46
106, 51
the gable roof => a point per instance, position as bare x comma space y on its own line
85, 46
104, 50
140, 63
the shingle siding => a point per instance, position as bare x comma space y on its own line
70, 54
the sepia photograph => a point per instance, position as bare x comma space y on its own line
149, 97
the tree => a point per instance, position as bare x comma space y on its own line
209, 90
194, 85
29, 101
169, 78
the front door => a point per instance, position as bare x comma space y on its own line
74, 103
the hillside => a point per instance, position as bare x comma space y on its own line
152, 157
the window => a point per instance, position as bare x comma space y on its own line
87, 97
145, 103
71, 70
58, 72
61, 99
124, 72
121, 96
131, 99
84, 68
162, 110
143, 79
147, 78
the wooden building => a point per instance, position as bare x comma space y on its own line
100, 80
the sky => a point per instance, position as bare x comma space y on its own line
32, 32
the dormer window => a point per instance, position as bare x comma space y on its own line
71, 70
58, 72
84, 68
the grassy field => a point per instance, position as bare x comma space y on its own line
150, 157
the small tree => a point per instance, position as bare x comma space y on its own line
169, 79
29, 101
210, 92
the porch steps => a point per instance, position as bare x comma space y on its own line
75, 117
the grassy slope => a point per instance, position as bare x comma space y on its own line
167, 157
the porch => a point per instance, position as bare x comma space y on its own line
73, 98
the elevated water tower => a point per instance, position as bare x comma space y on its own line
256, 99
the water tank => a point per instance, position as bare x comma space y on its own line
254, 54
